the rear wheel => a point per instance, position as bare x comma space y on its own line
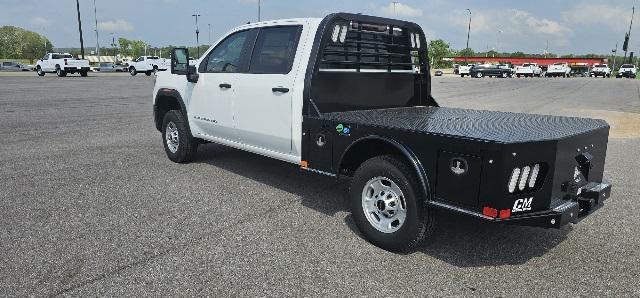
388, 204
132, 71
479, 75
504, 75
148, 73
179, 145
83, 73
60, 72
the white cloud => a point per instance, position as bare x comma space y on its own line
514, 25
115, 26
400, 9
613, 17
40, 21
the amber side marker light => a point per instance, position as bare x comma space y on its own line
304, 164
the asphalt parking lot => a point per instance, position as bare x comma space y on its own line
91, 206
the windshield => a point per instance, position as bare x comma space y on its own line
559, 63
152, 57
527, 64
600, 65
62, 56
626, 66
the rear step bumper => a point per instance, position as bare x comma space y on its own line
590, 198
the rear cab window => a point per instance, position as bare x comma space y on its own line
274, 50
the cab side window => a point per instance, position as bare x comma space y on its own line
227, 56
275, 50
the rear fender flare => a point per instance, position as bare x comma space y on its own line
406, 152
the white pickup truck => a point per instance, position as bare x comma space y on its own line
463, 70
148, 65
627, 71
528, 70
559, 69
349, 95
61, 64
600, 70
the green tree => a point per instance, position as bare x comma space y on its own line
517, 55
439, 49
18, 43
468, 52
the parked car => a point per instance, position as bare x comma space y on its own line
489, 70
627, 71
62, 64
463, 70
438, 73
15, 66
600, 70
111, 67
528, 70
297, 94
559, 69
147, 65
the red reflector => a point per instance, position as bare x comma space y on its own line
490, 212
505, 213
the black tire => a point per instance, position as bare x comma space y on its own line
148, 73
419, 221
60, 72
40, 72
132, 71
186, 144
155, 68
479, 75
505, 75
83, 73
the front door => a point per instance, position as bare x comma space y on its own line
264, 93
212, 98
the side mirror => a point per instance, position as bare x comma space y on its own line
180, 61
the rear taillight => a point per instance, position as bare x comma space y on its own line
524, 179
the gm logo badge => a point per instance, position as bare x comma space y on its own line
459, 166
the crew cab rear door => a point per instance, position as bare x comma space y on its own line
264, 94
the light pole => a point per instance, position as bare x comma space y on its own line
113, 46
197, 33
95, 15
626, 42
468, 33
615, 53
259, 5
395, 13
498, 41
80, 29
209, 33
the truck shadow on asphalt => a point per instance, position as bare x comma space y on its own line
458, 240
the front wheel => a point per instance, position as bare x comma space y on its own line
40, 72
504, 75
388, 204
132, 71
83, 73
479, 75
176, 137
148, 73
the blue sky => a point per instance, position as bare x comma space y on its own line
578, 26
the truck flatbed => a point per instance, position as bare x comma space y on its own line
493, 126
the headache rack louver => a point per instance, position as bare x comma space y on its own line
364, 47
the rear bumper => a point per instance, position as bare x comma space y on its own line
589, 198
75, 68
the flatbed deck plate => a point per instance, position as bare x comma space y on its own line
502, 127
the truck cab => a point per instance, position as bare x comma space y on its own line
627, 71
349, 96
528, 70
559, 69
602, 70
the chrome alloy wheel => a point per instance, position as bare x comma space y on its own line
383, 204
172, 137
